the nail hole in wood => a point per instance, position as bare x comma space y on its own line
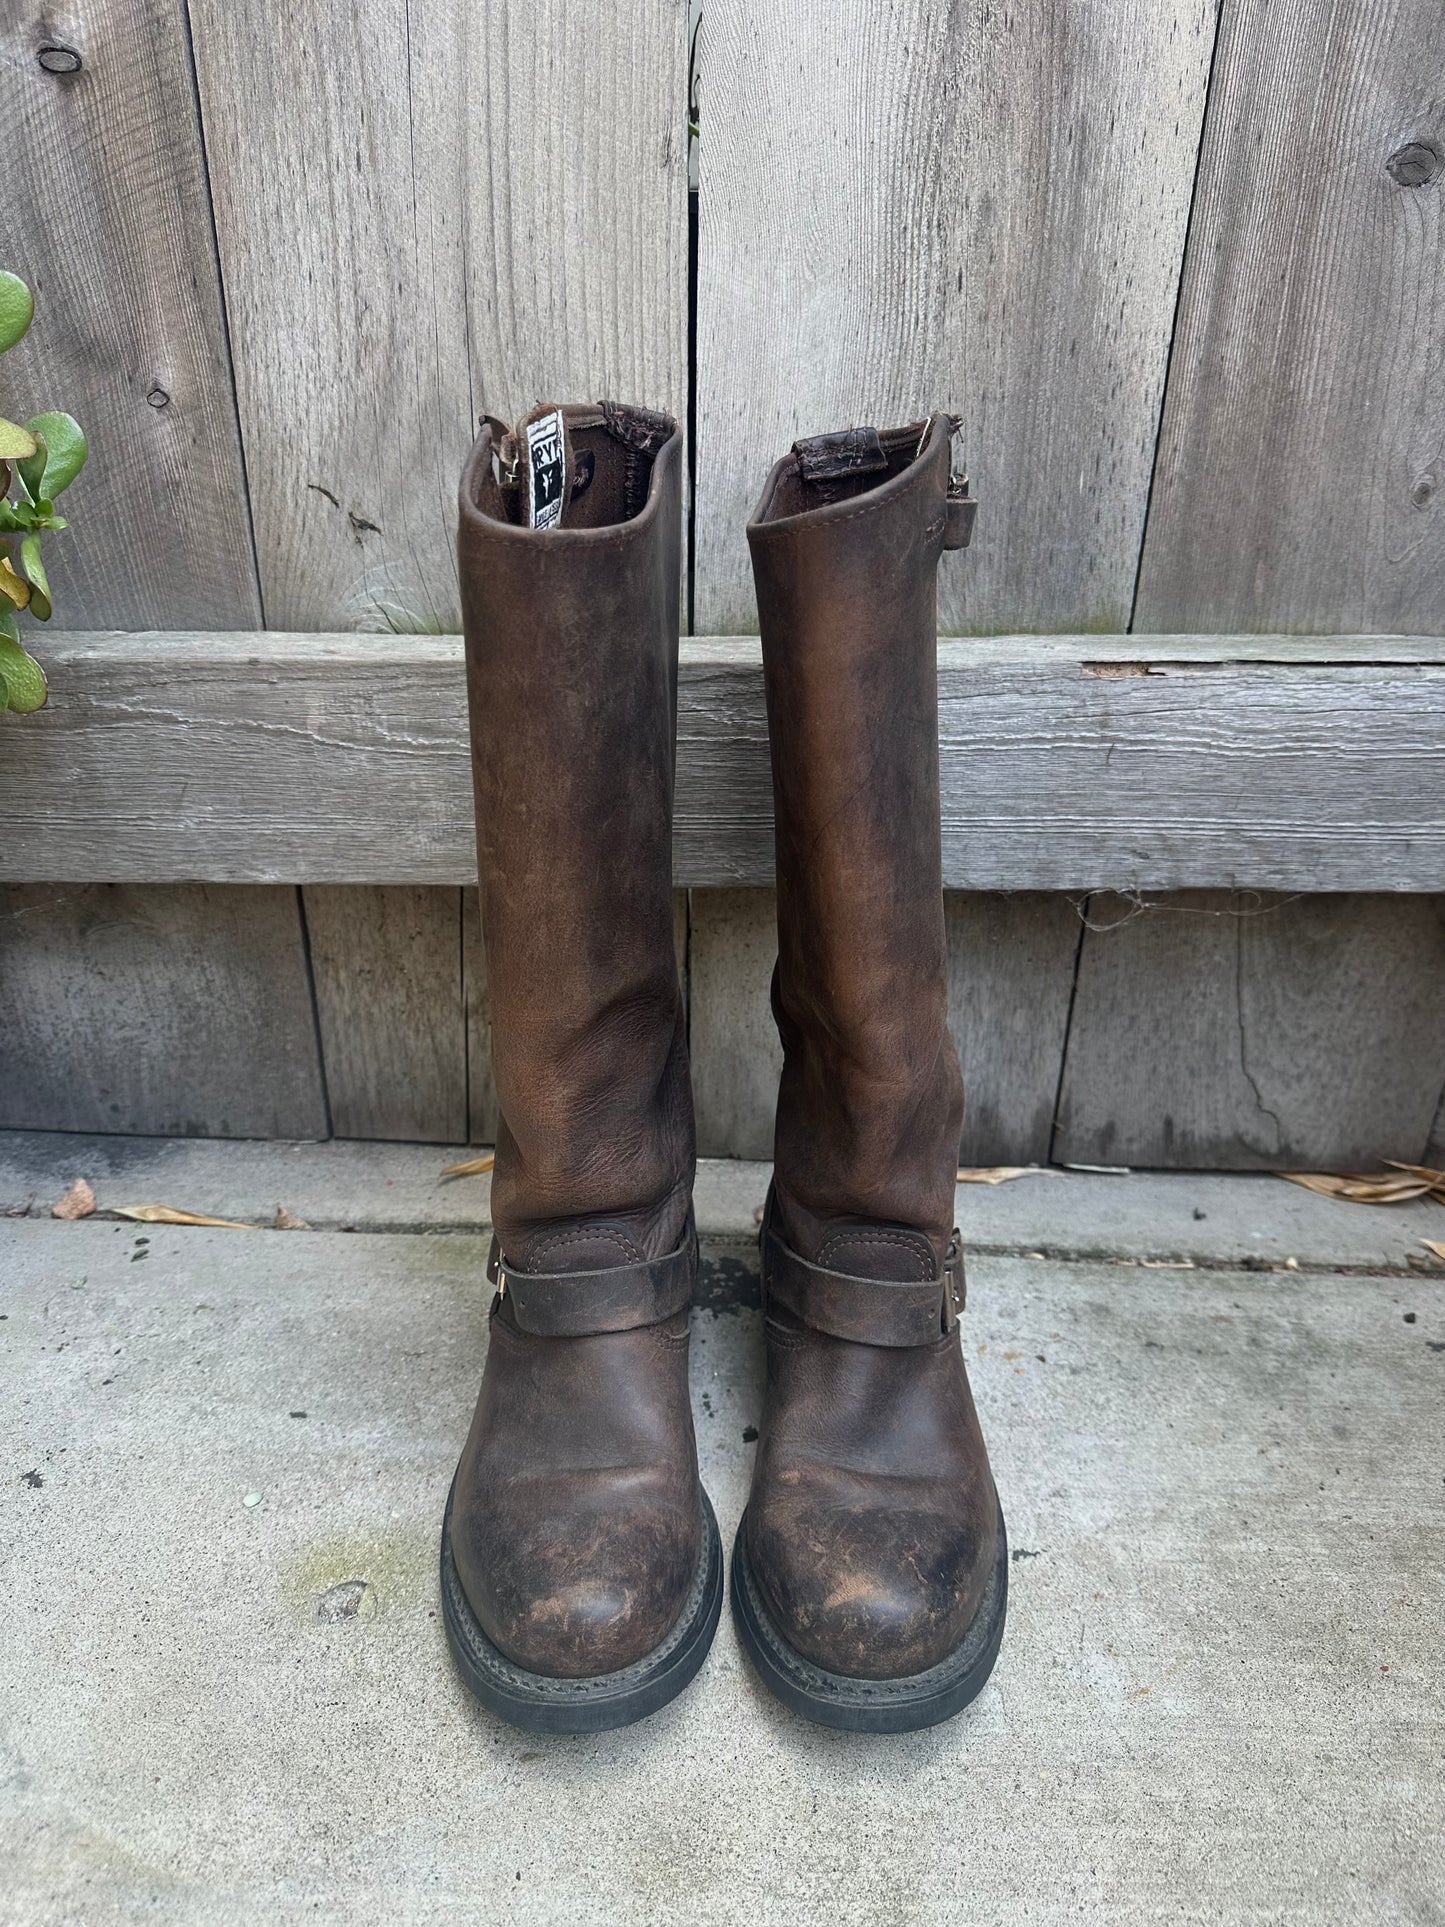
56, 59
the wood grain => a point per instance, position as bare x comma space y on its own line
387, 967
1301, 480
419, 220
1218, 762
107, 217
181, 1010
1248, 1032
1010, 980
732, 1039
965, 208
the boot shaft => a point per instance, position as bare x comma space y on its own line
845, 546
571, 642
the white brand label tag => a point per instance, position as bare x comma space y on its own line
546, 477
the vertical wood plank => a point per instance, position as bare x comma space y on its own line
736, 1056
1011, 966
107, 216
1227, 1031
387, 966
1301, 479
975, 208
174, 1009
430, 208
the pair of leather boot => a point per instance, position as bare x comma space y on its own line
581, 1563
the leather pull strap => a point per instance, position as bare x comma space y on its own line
852, 451
578, 1304
869, 1311
643, 429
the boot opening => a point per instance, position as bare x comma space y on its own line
835, 468
602, 455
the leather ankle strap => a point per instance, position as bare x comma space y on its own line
869, 1311
580, 1304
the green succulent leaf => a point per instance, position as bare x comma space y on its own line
35, 575
15, 442
24, 678
61, 440
16, 307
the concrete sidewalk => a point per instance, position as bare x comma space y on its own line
1199, 1215
1220, 1697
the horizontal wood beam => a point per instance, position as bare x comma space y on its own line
1069, 762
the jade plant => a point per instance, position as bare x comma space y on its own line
38, 458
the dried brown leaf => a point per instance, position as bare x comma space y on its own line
1000, 1173
76, 1202
285, 1220
470, 1167
168, 1214
1363, 1187
1434, 1247
1435, 1179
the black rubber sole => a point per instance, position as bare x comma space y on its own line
539, 1704
870, 1705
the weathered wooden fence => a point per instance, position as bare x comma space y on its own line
1178, 266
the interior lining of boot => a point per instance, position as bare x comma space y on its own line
792, 495
609, 482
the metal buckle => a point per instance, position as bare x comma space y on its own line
957, 473
955, 1282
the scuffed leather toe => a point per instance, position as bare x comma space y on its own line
582, 1592
576, 1516
872, 1529
875, 1584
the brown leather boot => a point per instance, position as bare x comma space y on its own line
581, 1570
870, 1572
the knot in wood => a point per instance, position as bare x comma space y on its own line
1415, 164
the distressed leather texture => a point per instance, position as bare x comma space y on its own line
871, 1529
572, 1304
872, 1310
576, 1522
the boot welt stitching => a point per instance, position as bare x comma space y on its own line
903, 1238
555, 1240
